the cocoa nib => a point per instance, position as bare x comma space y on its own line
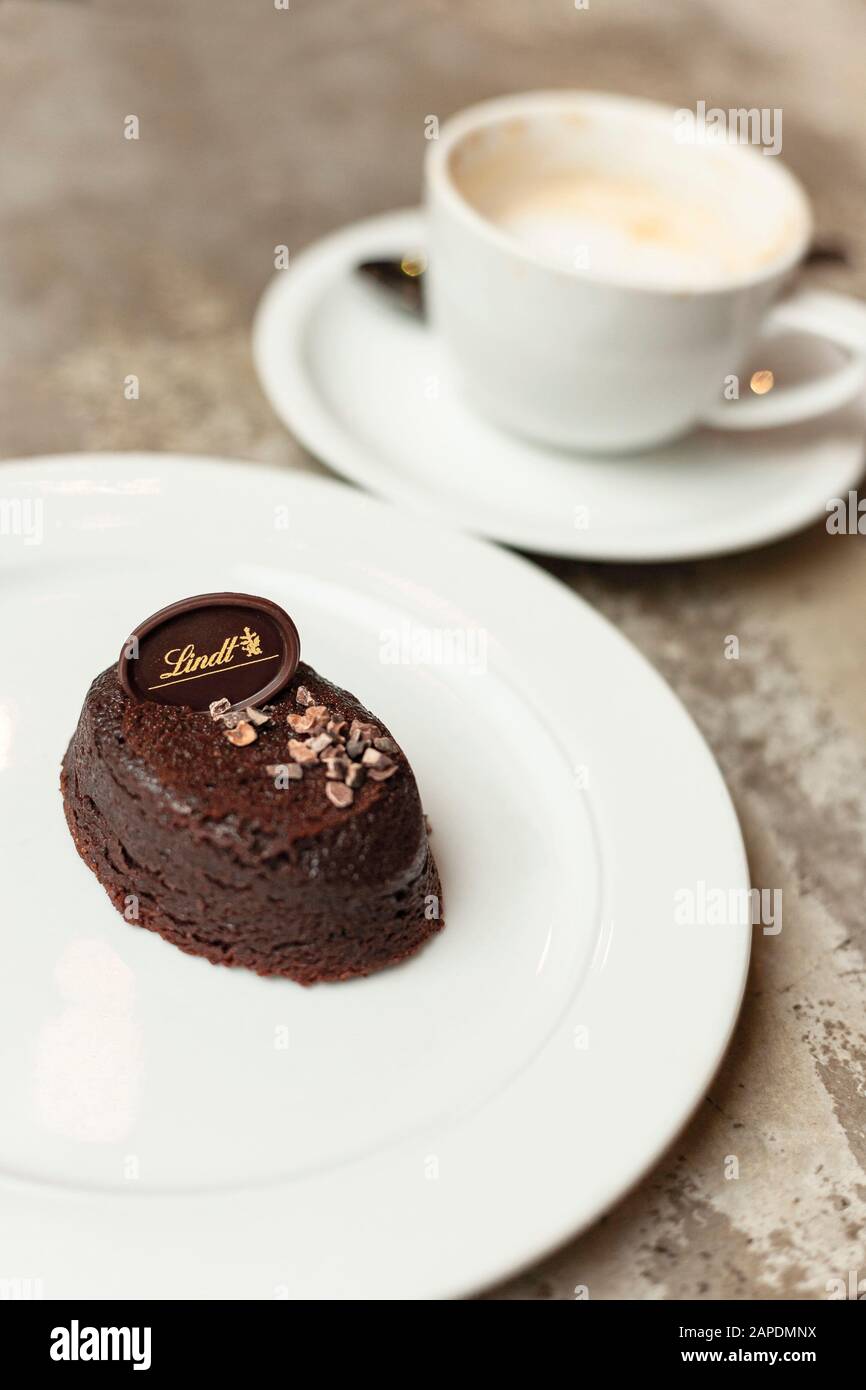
385, 745
359, 728
381, 774
373, 758
339, 794
242, 734
300, 723
300, 752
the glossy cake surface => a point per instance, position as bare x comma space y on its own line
204, 842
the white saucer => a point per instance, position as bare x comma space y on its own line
366, 389
173, 1129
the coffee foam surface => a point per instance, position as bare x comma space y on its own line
622, 229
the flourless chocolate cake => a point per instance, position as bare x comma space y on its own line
287, 838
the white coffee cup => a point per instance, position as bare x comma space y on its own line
680, 250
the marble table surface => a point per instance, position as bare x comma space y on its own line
261, 126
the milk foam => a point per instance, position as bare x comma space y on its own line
621, 229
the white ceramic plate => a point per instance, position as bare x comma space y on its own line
176, 1129
367, 389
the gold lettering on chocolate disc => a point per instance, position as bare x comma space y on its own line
186, 664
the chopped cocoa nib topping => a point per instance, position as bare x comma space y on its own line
312, 721
242, 734
221, 713
381, 774
373, 758
348, 753
339, 794
362, 730
301, 723
300, 752
378, 765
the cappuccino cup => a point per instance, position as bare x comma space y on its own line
599, 282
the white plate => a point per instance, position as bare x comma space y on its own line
367, 389
436, 1126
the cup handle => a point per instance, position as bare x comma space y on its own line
835, 317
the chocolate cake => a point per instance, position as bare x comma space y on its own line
286, 837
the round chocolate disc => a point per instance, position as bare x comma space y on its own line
211, 647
